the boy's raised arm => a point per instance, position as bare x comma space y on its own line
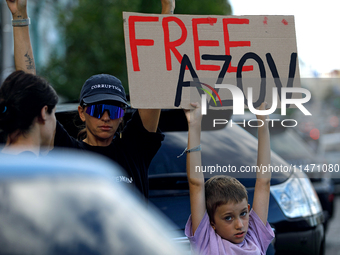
195, 177
150, 117
23, 53
262, 186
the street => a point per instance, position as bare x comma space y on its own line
333, 232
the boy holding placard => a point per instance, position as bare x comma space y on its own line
221, 220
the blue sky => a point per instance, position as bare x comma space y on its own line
317, 26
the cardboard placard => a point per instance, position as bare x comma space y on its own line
165, 52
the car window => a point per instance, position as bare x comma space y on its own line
166, 160
231, 146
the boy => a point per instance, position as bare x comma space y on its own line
221, 221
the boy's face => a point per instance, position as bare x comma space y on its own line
231, 221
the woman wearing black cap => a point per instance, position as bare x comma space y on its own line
102, 106
103, 97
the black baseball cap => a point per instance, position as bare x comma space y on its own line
102, 87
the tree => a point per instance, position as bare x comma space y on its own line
94, 39
200, 7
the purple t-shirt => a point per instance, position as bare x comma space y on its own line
206, 241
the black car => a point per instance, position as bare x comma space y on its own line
295, 212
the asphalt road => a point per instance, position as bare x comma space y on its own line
333, 232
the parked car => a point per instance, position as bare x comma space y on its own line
295, 212
70, 203
292, 148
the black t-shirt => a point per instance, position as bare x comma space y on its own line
133, 151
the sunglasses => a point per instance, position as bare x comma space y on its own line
97, 111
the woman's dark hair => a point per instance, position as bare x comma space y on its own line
22, 96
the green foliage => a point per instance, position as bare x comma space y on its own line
94, 39
200, 7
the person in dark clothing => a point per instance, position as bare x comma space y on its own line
102, 104
102, 107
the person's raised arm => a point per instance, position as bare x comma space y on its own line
195, 176
150, 117
168, 6
23, 53
262, 186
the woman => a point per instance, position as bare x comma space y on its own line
102, 106
27, 113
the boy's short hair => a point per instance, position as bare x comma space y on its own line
220, 190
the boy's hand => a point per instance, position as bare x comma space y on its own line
194, 116
262, 107
18, 8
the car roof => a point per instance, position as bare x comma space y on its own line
70, 203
